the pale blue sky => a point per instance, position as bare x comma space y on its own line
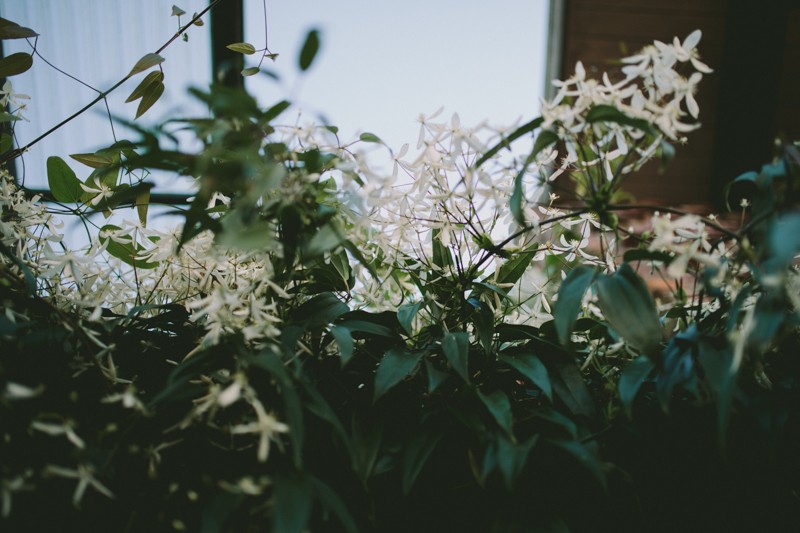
380, 66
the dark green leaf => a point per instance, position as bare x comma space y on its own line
630, 381
640, 254
500, 408
416, 454
5, 116
397, 363
784, 238
513, 269
93, 160
609, 113
721, 376
511, 457
320, 310
293, 500
545, 139
506, 142
435, 377
12, 30
330, 500
532, 368
344, 340
370, 138
582, 453
406, 314
150, 97
455, 347
325, 239
570, 297
6, 142
152, 78
147, 61
309, 50
123, 248
242, 48
15, 64
64, 184
629, 308
273, 112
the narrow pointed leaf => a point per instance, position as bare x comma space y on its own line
630, 381
513, 269
369, 138
250, 71
92, 160
545, 139
149, 80
570, 297
344, 340
455, 347
293, 502
146, 62
150, 97
12, 30
532, 368
143, 205
416, 454
506, 142
242, 48
500, 408
397, 363
406, 314
309, 50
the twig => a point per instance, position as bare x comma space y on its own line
19, 151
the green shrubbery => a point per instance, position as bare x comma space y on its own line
321, 346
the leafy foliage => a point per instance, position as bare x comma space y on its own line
306, 354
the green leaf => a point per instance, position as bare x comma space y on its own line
15, 64
570, 297
330, 500
545, 139
629, 307
397, 363
146, 62
6, 142
325, 239
640, 254
242, 48
122, 247
293, 501
150, 97
320, 310
273, 112
609, 113
630, 381
177, 12
506, 142
93, 160
435, 377
370, 138
455, 347
250, 71
513, 269
511, 457
406, 314
309, 50
344, 340
721, 376
582, 453
5, 116
500, 408
532, 368
140, 90
142, 205
12, 30
64, 184
784, 238
415, 455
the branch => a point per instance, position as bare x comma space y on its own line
13, 154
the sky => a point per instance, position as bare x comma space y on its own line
381, 64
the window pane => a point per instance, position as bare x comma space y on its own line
98, 41
382, 64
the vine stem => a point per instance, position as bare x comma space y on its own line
102, 95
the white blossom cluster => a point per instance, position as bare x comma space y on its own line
658, 87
